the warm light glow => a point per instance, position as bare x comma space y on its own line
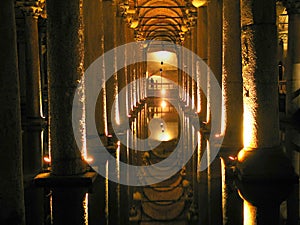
184, 28
218, 135
163, 104
231, 158
167, 57
224, 112
164, 136
88, 159
47, 159
249, 213
130, 11
106, 193
248, 132
86, 209
134, 24
199, 140
198, 3
163, 55
163, 91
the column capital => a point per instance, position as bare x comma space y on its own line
292, 6
33, 8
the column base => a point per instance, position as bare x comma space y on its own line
264, 175
49, 180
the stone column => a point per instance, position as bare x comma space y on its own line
11, 185
265, 175
232, 88
201, 74
65, 58
121, 75
202, 53
100, 110
293, 64
33, 150
109, 23
214, 13
194, 67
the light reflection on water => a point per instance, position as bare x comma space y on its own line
77, 203
106, 196
86, 209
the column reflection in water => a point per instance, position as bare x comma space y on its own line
202, 180
69, 206
290, 208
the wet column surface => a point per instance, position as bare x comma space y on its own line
232, 89
65, 57
11, 185
265, 175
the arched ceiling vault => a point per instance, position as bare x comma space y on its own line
165, 20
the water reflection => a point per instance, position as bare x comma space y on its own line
69, 206
188, 197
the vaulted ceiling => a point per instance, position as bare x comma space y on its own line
166, 20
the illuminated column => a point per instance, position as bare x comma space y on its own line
183, 76
265, 175
11, 185
293, 65
109, 14
130, 38
232, 118
94, 47
190, 70
202, 53
121, 75
194, 67
201, 74
33, 150
65, 58
214, 13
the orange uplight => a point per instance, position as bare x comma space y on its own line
89, 159
231, 158
47, 159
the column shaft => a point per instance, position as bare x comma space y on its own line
232, 88
121, 76
65, 58
293, 67
33, 149
11, 185
202, 53
265, 174
214, 13
109, 23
